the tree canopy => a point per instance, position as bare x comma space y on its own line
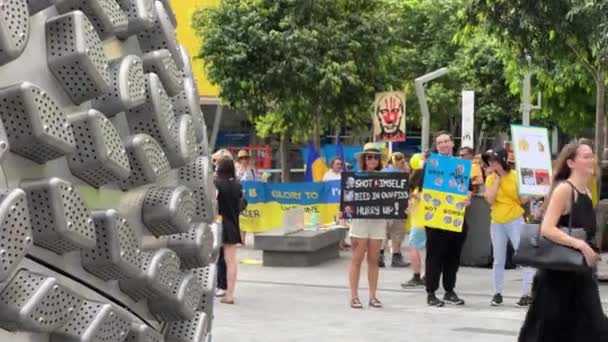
567, 42
296, 65
292, 64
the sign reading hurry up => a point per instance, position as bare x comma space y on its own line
375, 195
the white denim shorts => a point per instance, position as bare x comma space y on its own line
368, 229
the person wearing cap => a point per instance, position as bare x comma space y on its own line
244, 172
366, 237
507, 212
395, 229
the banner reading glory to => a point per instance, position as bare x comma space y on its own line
444, 192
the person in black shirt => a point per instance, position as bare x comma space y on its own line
567, 304
229, 197
443, 247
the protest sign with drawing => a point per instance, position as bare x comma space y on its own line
444, 192
374, 195
532, 159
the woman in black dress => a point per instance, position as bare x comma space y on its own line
566, 304
229, 194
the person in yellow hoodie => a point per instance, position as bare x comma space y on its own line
507, 221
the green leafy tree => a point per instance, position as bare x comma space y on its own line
296, 67
430, 38
567, 40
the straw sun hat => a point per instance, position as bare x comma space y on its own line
371, 148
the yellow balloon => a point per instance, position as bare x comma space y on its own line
416, 161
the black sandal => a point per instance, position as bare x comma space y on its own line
355, 303
375, 303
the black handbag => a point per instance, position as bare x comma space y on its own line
242, 204
538, 252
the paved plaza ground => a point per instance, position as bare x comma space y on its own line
312, 304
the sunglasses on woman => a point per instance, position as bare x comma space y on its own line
372, 156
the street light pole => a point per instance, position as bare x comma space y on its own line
424, 107
526, 105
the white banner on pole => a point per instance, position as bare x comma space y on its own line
468, 118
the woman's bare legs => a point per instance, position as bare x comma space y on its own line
373, 255
359, 246
231, 263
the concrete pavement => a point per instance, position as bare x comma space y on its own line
312, 304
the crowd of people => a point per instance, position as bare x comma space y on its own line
562, 305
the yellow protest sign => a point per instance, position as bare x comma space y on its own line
444, 193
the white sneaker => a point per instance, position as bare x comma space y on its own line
220, 293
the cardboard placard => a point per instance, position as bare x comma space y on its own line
374, 195
532, 159
444, 192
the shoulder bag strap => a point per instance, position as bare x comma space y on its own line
571, 207
571, 213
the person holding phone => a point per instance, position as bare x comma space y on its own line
507, 213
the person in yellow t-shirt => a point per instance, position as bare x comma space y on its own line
507, 221
417, 238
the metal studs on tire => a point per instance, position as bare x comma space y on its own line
76, 57
117, 254
37, 303
186, 296
161, 269
156, 118
198, 176
105, 15
61, 221
141, 15
94, 322
148, 161
15, 230
36, 127
127, 87
187, 103
161, 35
14, 29
188, 331
36, 6
143, 333
207, 276
194, 248
161, 62
168, 210
100, 156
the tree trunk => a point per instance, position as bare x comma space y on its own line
600, 122
283, 151
337, 138
317, 132
600, 103
480, 140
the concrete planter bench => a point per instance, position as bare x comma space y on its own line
303, 248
